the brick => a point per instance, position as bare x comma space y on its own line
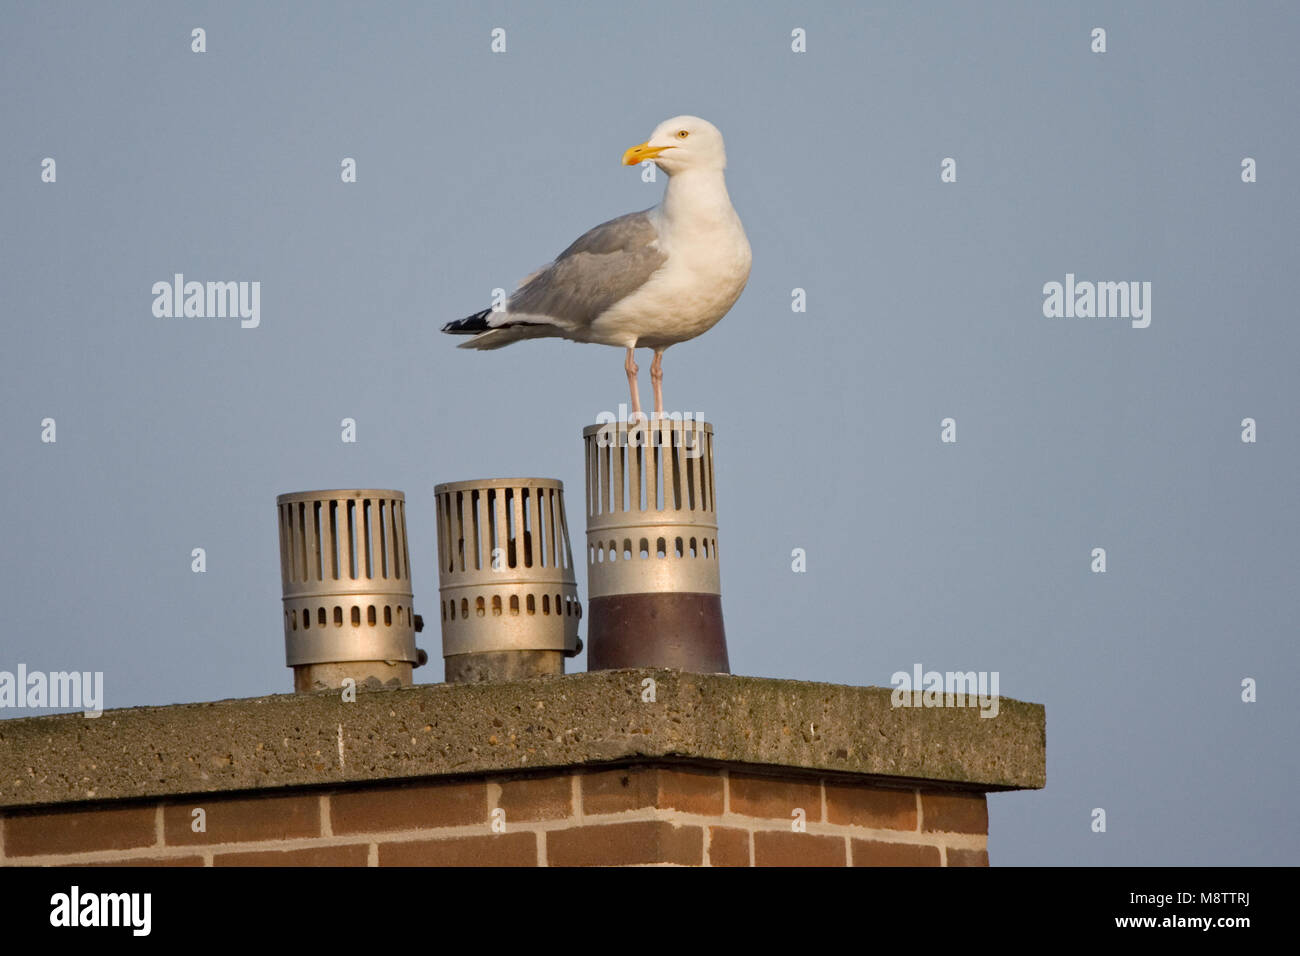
354, 854
620, 844
787, 848
536, 798
862, 806
728, 846
146, 861
242, 819
954, 813
409, 807
503, 849
773, 797
689, 790
878, 853
613, 791
967, 857
77, 831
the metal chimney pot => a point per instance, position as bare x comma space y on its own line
345, 570
509, 596
652, 547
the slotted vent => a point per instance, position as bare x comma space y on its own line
505, 567
345, 576
652, 523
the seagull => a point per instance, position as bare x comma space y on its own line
648, 279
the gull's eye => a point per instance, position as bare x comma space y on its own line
682, 134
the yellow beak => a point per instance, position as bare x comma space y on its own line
639, 154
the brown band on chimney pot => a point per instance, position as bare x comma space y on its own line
682, 631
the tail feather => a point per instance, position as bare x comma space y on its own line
471, 325
493, 335
497, 338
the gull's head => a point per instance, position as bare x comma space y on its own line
679, 144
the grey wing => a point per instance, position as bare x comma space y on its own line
602, 266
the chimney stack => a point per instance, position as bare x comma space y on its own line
346, 578
509, 596
652, 547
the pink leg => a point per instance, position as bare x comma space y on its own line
630, 367
657, 379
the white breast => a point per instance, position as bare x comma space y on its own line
706, 270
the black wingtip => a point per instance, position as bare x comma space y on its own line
471, 325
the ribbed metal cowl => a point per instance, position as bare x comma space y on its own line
508, 593
652, 547
346, 578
